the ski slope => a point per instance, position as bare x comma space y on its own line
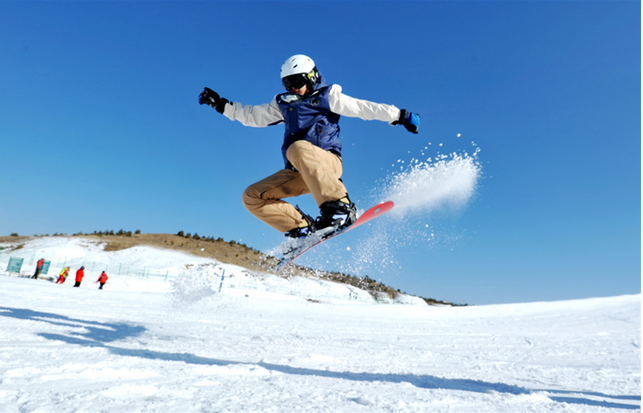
147, 344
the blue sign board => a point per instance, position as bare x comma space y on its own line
15, 264
45, 267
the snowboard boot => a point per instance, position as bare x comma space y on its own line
336, 214
302, 232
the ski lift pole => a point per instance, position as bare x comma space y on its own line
222, 276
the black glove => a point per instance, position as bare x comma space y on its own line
211, 98
411, 121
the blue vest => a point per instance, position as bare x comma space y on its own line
309, 118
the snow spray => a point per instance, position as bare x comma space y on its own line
197, 283
446, 182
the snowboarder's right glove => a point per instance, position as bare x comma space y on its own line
211, 98
411, 121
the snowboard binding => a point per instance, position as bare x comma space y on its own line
302, 232
335, 215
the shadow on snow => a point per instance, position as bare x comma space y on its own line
96, 334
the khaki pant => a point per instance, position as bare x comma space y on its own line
318, 173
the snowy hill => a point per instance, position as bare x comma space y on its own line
147, 344
148, 268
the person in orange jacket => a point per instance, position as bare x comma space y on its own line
79, 276
63, 275
102, 280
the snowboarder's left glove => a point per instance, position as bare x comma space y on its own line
411, 121
211, 98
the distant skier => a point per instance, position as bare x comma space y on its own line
102, 280
63, 275
79, 276
39, 265
311, 149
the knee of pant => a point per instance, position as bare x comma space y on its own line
251, 198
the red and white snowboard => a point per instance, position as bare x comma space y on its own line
314, 240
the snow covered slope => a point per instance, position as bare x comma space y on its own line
189, 348
145, 268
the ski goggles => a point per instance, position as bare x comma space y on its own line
295, 81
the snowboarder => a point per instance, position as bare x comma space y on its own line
39, 265
102, 280
63, 275
79, 276
310, 110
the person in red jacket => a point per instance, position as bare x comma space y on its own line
102, 280
79, 276
63, 275
39, 265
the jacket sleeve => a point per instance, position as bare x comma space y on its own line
357, 108
256, 116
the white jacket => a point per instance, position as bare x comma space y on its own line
341, 104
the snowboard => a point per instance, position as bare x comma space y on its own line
306, 244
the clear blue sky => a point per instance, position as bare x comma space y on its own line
100, 128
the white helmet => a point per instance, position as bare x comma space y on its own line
298, 70
297, 64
